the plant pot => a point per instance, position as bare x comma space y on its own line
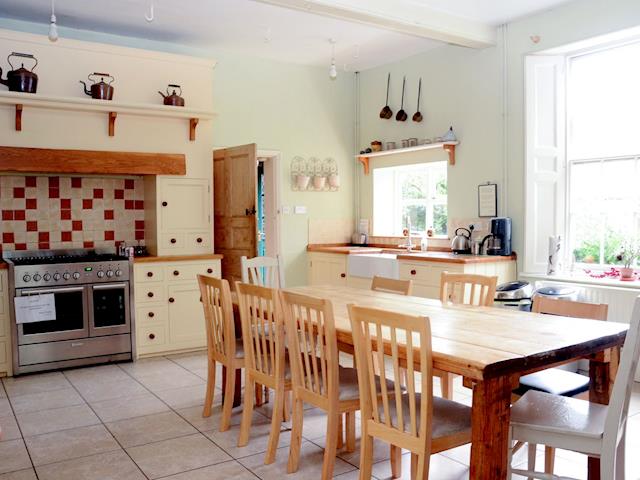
334, 180
302, 181
319, 182
626, 273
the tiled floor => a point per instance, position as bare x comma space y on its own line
144, 421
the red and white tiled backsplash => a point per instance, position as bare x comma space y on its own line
40, 212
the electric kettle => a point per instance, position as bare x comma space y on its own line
461, 243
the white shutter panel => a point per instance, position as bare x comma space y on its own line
545, 157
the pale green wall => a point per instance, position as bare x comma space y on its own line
296, 110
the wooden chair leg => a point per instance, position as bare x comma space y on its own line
276, 424
211, 384
350, 432
414, 466
549, 459
296, 435
229, 390
286, 412
366, 456
395, 457
446, 384
258, 389
247, 413
340, 432
331, 446
531, 463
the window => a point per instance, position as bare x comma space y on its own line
418, 192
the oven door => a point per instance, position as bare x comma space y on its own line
71, 316
109, 309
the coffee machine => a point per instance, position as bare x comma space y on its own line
498, 242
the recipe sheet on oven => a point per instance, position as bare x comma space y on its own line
35, 308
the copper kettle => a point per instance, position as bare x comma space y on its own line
174, 98
21, 79
99, 90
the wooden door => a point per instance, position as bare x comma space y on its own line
234, 206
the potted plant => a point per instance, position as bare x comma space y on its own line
627, 257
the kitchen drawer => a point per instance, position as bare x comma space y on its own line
151, 335
198, 241
148, 273
4, 352
181, 272
427, 274
151, 314
150, 293
4, 326
171, 241
72, 349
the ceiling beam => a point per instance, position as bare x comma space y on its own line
400, 16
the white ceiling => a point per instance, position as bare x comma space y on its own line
259, 29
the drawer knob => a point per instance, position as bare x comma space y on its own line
151, 314
413, 272
164, 204
343, 275
199, 239
149, 274
209, 270
173, 240
150, 294
171, 299
176, 273
152, 336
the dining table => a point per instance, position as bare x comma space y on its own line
492, 348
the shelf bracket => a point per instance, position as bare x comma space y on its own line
193, 123
112, 123
18, 117
365, 164
451, 150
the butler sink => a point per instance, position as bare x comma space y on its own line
369, 265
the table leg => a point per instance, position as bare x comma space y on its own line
237, 391
490, 429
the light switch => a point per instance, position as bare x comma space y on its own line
299, 209
286, 210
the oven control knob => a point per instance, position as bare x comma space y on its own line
100, 274
56, 276
76, 275
46, 277
109, 273
66, 275
37, 277
26, 278
118, 273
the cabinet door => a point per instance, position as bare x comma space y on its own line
184, 204
186, 317
328, 271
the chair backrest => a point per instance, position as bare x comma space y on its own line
618, 412
569, 308
467, 289
263, 271
313, 346
262, 332
383, 334
218, 316
391, 285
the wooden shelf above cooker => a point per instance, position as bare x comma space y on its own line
449, 147
112, 109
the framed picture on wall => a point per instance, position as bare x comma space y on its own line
488, 200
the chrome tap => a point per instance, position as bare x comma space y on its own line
409, 244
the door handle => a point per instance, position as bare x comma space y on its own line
250, 212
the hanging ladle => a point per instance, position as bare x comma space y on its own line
401, 116
417, 117
386, 112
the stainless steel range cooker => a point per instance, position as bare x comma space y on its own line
94, 318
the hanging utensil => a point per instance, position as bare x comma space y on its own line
386, 112
417, 117
401, 116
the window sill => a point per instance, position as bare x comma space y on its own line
582, 278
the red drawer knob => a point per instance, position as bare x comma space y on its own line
150, 294
164, 204
149, 274
413, 272
199, 239
151, 314
176, 273
171, 299
342, 275
152, 336
173, 240
209, 270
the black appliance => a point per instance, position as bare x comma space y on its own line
500, 242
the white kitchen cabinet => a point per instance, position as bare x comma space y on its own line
327, 269
5, 329
169, 315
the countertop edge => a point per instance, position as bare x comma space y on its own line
418, 257
177, 258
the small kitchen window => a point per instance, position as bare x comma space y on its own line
418, 192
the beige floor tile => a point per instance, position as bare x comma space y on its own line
28, 474
41, 382
190, 361
96, 391
120, 408
46, 421
101, 373
5, 407
193, 415
176, 455
151, 366
441, 468
34, 402
354, 475
380, 451
183, 397
68, 444
222, 471
310, 467
151, 428
104, 466
10, 430
164, 381
14, 456
3, 394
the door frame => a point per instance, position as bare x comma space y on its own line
274, 158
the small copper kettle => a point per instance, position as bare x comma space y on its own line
21, 79
99, 90
173, 99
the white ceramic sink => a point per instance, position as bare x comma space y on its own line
369, 265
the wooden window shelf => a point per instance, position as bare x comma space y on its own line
22, 101
449, 147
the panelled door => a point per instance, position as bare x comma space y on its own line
235, 191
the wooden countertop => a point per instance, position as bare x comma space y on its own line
177, 258
343, 249
3, 265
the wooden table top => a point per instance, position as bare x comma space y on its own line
483, 342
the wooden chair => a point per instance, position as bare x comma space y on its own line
222, 345
467, 289
574, 424
414, 419
265, 362
263, 271
554, 380
317, 377
391, 285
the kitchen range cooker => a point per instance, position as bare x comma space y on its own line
91, 293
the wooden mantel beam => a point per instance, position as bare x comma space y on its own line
47, 160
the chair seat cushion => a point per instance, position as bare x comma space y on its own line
349, 384
554, 381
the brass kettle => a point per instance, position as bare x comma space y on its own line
174, 98
21, 79
99, 90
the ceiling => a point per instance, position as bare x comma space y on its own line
260, 29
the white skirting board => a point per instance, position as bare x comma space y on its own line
619, 299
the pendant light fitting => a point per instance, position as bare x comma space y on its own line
53, 27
